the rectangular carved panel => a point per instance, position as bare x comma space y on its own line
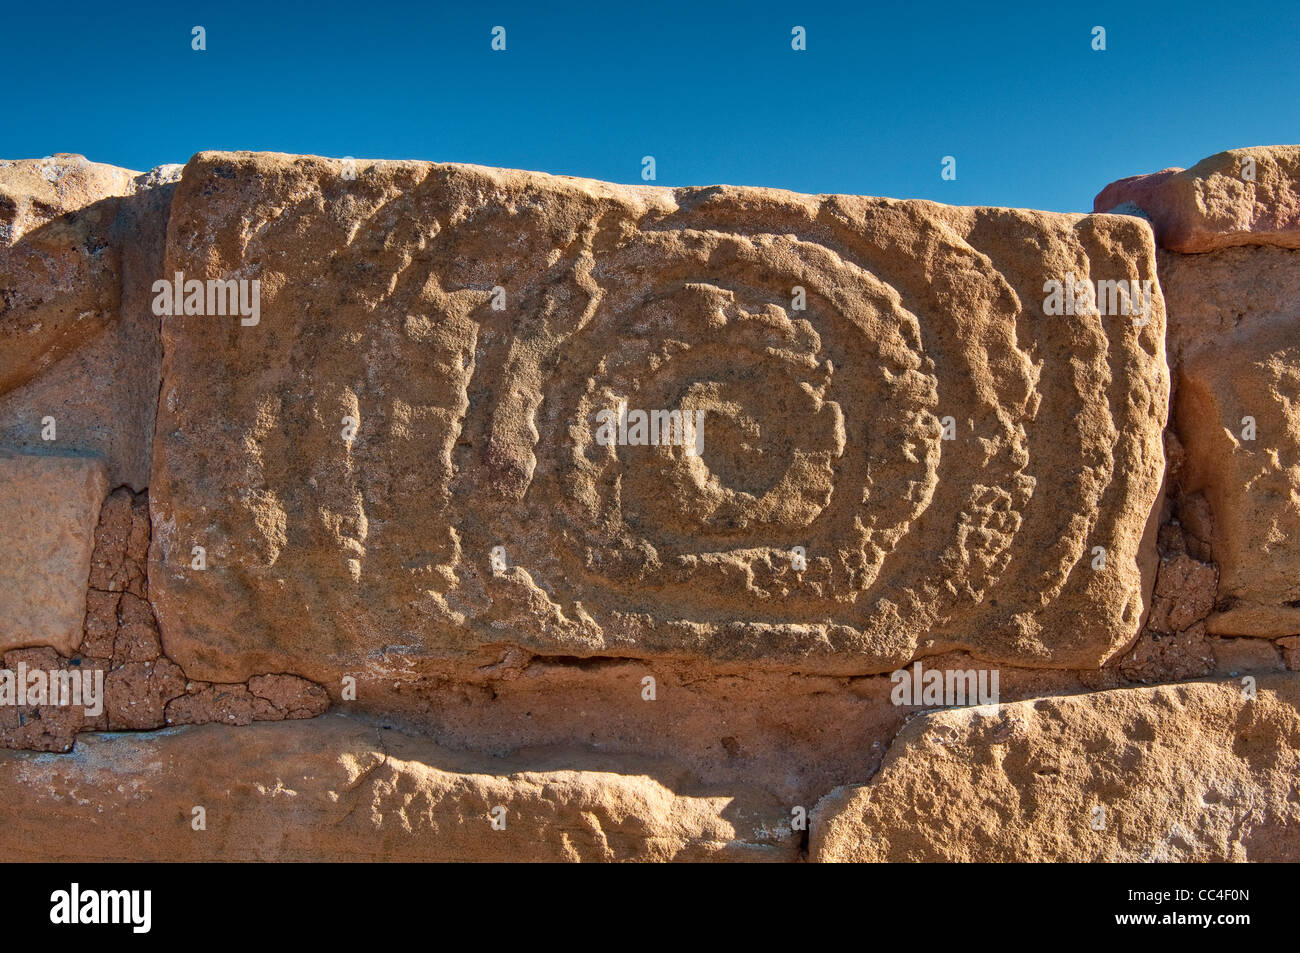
904, 449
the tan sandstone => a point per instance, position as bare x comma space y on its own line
342, 789
60, 275
1235, 315
504, 587
1239, 197
1190, 772
474, 506
51, 507
98, 376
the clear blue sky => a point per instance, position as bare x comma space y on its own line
1033, 115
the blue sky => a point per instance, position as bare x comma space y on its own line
1034, 116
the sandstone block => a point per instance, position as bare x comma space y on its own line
1234, 318
338, 789
1246, 656
60, 275
51, 507
402, 460
1239, 197
103, 394
1189, 772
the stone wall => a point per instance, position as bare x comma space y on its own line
556, 519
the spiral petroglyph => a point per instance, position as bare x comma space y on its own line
878, 386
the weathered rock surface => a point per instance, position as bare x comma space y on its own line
476, 427
1189, 772
1238, 197
1235, 316
337, 788
60, 275
97, 378
1290, 647
142, 689
41, 726
50, 506
504, 586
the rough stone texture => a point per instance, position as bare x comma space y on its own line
121, 545
1246, 656
50, 506
1174, 644
120, 628
1185, 590
1234, 313
103, 395
1190, 772
523, 684
139, 693
289, 695
41, 727
60, 274
1214, 205
143, 689
795, 735
1233, 338
341, 789
477, 426
264, 698
1169, 656
1290, 648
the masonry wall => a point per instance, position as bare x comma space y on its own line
332, 479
